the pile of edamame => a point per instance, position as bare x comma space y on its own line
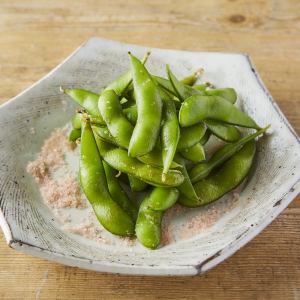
149, 132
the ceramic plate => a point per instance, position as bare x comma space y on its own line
29, 225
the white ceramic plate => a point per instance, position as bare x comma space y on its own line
26, 221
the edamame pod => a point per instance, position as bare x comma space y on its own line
74, 134
76, 121
119, 160
189, 136
169, 134
191, 79
166, 96
128, 100
94, 185
195, 153
117, 193
205, 138
225, 132
149, 107
148, 227
227, 93
121, 84
148, 224
186, 188
182, 91
202, 86
153, 158
88, 100
119, 127
136, 185
165, 84
202, 170
131, 114
161, 198
228, 177
198, 108
104, 134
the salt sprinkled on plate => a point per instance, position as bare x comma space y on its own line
63, 193
87, 230
50, 157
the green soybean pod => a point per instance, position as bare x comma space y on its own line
198, 108
165, 84
166, 96
149, 107
189, 136
118, 159
119, 127
182, 91
195, 153
154, 158
104, 134
205, 137
88, 100
225, 132
128, 100
117, 193
76, 121
191, 79
131, 114
186, 189
148, 224
94, 185
202, 170
227, 93
121, 84
228, 177
170, 133
161, 198
74, 134
136, 185
202, 86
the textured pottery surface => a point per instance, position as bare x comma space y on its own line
27, 222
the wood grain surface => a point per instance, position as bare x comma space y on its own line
36, 35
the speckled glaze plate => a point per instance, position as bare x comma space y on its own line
27, 222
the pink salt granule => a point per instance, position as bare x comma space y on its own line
63, 193
87, 230
50, 157
206, 219
167, 227
195, 224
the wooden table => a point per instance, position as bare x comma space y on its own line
36, 35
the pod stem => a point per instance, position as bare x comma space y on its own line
199, 72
